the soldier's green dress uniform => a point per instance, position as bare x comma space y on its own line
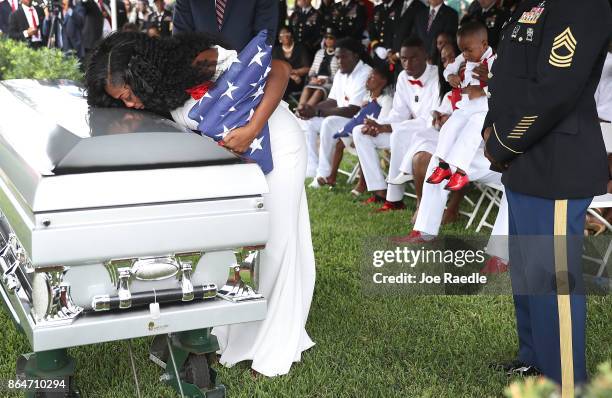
545, 128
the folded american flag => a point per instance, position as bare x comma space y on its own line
371, 110
231, 102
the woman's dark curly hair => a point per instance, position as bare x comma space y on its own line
158, 70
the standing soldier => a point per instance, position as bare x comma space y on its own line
307, 26
348, 19
542, 132
383, 25
161, 19
489, 14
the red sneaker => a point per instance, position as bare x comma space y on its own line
494, 265
438, 175
412, 237
373, 199
387, 206
456, 182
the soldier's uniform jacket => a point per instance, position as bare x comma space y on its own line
493, 19
163, 22
307, 28
348, 19
542, 109
382, 27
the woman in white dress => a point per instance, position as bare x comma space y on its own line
161, 75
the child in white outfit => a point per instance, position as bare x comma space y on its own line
460, 137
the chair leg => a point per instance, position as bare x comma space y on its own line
472, 215
483, 220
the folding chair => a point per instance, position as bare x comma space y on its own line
602, 202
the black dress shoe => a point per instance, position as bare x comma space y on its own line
516, 368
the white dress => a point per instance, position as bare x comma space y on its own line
287, 271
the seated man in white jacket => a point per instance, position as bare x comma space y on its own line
416, 95
345, 99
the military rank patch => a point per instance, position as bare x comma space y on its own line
522, 126
563, 49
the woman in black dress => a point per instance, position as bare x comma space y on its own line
296, 55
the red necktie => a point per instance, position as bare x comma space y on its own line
415, 82
34, 24
103, 10
220, 10
13, 5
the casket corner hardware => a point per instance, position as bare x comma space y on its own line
52, 303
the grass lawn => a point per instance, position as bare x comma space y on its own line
366, 346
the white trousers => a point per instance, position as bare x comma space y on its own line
366, 147
433, 201
287, 273
460, 138
424, 140
320, 156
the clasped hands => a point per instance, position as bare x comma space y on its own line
373, 128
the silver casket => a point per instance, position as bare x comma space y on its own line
105, 211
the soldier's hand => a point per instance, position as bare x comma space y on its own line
486, 134
481, 72
454, 81
32, 32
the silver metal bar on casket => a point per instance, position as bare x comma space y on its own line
82, 190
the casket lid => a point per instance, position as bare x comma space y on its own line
50, 125
56, 153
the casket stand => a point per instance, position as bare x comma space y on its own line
117, 224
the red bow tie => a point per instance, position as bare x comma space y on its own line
415, 82
198, 91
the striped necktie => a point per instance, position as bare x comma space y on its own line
220, 9
432, 15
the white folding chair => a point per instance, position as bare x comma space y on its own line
494, 193
354, 172
600, 202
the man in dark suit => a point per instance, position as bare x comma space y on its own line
543, 133
434, 20
95, 15
489, 14
404, 26
67, 30
237, 21
5, 13
25, 24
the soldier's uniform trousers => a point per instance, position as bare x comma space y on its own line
546, 237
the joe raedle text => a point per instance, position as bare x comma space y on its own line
410, 266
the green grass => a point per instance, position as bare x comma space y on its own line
366, 346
